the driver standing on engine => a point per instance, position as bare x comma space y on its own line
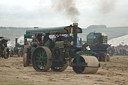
46, 37
39, 39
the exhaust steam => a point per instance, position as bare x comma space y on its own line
68, 7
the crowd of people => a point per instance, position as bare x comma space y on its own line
119, 50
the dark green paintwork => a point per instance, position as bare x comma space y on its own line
59, 30
79, 53
27, 36
41, 58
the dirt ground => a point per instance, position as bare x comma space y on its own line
114, 72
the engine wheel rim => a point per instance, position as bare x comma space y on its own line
79, 69
25, 60
56, 68
40, 59
59, 68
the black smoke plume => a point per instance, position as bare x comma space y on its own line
68, 7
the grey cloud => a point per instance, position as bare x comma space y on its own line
107, 6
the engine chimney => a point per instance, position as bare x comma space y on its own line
75, 27
16, 39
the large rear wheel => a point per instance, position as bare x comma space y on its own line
60, 63
25, 60
41, 59
25, 56
107, 57
59, 68
26, 48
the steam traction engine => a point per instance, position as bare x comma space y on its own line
4, 51
59, 52
98, 44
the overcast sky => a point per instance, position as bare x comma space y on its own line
41, 13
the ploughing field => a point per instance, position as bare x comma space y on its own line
114, 72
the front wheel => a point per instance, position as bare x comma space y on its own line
85, 64
107, 57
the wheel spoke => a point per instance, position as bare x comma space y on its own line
39, 59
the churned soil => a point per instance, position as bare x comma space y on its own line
114, 72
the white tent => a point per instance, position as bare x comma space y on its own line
21, 40
123, 40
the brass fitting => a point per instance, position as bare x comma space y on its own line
75, 24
